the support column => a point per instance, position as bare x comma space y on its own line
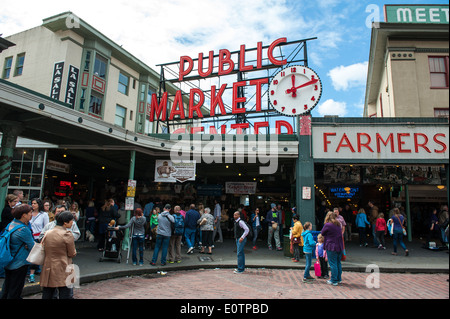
305, 172
408, 214
126, 243
10, 132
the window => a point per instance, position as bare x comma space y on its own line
123, 83
19, 64
121, 114
7, 67
438, 71
95, 105
441, 112
87, 61
100, 66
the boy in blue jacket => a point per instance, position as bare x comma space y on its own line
308, 246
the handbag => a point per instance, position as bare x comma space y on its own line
403, 227
296, 240
37, 254
317, 269
275, 226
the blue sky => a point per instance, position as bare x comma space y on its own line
161, 31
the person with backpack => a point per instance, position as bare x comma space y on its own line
206, 223
177, 235
16, 243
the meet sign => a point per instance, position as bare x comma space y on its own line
417, 14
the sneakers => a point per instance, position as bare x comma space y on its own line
308, 279
332, 283
190, 250
254, 248
279, 249
31, 279
237, 271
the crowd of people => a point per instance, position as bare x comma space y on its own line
165, 229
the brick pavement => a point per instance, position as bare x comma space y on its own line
263, 284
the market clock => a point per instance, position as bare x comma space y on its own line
295, 90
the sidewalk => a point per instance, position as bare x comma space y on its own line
420, 260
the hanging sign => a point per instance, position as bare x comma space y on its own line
72, 84
240, 188
57, 80
168, 171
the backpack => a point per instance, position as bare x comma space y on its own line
250, 231
178, 228
5, 249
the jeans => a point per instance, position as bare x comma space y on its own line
398, 239
308, 262
256, 231
374, 234
362, 235
138, 241
334, 260
273, 233
189, 233
162, 242
240, 254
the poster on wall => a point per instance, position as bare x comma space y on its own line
167, 171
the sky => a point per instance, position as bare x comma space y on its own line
158, 32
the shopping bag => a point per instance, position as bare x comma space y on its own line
317, 270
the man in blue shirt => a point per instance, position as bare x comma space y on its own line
274, 217
190, 227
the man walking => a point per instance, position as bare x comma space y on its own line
240, 233
190, 224
217, 217
373, 215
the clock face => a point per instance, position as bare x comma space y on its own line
295, 90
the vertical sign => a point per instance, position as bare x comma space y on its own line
72, 84
57, 80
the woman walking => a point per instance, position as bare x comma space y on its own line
399, 224
334, 247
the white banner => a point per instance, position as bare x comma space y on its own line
167, 171
380, 142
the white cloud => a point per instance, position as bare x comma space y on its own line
332, 107
346, 77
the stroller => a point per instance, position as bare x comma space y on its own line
113, 244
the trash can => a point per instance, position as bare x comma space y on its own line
287, 246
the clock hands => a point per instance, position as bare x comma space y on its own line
294, 93
294, 88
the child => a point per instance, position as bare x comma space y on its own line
308, 246
381, 230
321, 255
297, 239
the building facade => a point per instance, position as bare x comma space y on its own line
74, 63
408, 73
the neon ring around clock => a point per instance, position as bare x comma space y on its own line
295, 90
